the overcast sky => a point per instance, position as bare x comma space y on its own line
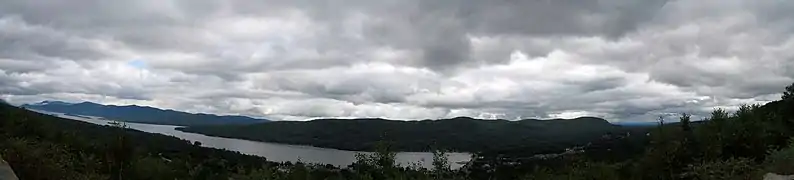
623, 60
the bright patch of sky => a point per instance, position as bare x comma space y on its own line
137, 63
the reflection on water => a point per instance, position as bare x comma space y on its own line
278, 152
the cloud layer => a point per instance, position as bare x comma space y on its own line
624, 60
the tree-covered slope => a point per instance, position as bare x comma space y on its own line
141, 114
39, 146
458, 134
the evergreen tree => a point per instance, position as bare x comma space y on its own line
788, 95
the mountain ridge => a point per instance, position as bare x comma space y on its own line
141, 114
463, 134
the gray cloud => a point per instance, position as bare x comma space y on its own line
618, 59
35, 42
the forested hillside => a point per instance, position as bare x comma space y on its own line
457, 134
44, 147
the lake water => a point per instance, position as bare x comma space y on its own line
279, 152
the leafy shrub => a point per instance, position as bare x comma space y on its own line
734, 168
781, 161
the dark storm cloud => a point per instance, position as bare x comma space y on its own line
437, 30
540, 17
23, 66
17, 84
20, 40
440, 29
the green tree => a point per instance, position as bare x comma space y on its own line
264, 173
377, 165
670, 150
690, 142
789, 93
713, 134
686, 122
729, 169
121, 152
150, 168
781, 161
441, 167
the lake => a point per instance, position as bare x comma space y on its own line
278, 152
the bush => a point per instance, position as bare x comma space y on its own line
781, 161
734, 168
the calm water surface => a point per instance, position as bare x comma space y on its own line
279, 152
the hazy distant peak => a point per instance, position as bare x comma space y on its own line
583, 118
141, 114
88, 102
50, 103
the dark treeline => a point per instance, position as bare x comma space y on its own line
745, 144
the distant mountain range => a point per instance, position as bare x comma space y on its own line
140, 114
458, 134
643, 123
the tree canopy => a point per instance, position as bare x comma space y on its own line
789, 93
